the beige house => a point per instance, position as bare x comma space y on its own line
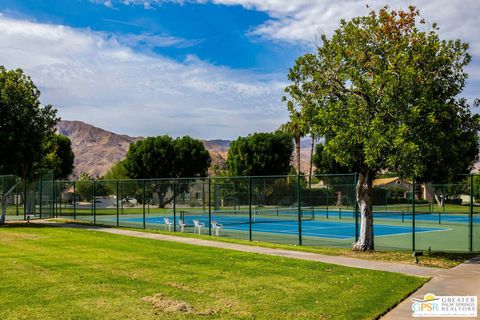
393, 182
422, 191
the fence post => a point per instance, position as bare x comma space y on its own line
209, 207
41, 197
143, 202
174, 205
54, 200
356, 205
203, 196
25, 199
118, 196
250, 207
94, 206
413, 214
60, 200
16, 198
470, 231
74, 201
299, 208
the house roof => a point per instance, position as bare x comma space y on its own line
384, 181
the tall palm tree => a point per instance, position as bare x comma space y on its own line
296, 127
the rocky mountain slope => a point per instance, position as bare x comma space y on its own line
96, 150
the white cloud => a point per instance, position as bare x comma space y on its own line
299, 21
93, 77
155, 40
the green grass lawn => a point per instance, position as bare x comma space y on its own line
61, 273
444, 260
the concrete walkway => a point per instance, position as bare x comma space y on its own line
462, 280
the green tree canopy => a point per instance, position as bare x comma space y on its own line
25, 125
60, 156
327, 166
164, 157
116, 172
386, 96
260, 154
325, 163
84, 186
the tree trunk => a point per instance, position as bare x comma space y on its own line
339, 199
312, 145
297, 150
4, 209
440, 199
162, 202
5, 203
365, 199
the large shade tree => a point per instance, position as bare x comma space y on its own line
386, 95
25, 129
260, 154
331, 172
164, 157
25, 125
60, 156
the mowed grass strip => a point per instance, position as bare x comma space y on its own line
60, 273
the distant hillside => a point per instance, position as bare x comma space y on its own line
96, 150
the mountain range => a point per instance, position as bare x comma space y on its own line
96, 149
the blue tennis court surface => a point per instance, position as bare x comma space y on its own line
310, 228
425, 217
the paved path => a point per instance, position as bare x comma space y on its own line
339, 260
462, 280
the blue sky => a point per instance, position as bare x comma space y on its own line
210, 69
213, 33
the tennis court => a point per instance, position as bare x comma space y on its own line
282, 222
327, 210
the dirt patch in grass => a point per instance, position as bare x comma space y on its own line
162, 303
225, 303
13, 236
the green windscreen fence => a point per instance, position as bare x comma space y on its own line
449, 217
320, 210
8, 196
393, 202
330, 199
32, 199
475, 183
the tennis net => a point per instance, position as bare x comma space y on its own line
232, 217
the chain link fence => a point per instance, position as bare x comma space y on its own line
317, 211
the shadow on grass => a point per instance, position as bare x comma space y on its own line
455, 256
12, 225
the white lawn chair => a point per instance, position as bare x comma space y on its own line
182, 225
217, 227
168, 223
198, 226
